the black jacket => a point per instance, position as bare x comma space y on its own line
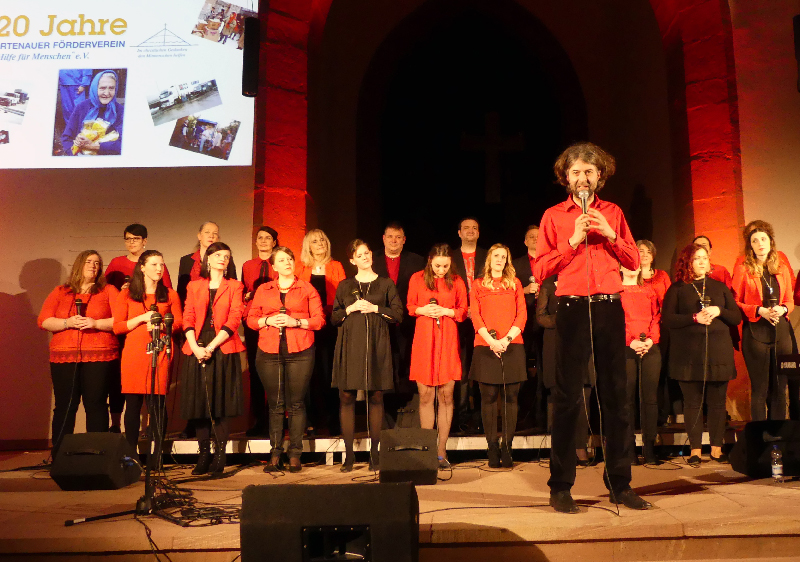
458, 265
410, 263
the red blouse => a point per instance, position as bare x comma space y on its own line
435, 355
121, 267
659, 282
73, 345
302, 302
642, 312
497, 308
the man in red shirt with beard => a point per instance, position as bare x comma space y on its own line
586, 250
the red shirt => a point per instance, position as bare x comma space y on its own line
251, 272
659, 282
497, 308
469, 266
73, 345
721, 274
642, 312
393, 267
121, 267
302, 302
556, 256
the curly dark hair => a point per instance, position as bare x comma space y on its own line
683, 267
589, 153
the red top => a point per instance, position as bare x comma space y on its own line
334, 274
719, 273
302, 302
435, 356
135, 365
121, 266
251, 272
659, 282
469, 266
497, 308
227, 310
748, 293
393, 267
73, 345
642, 312
555, 255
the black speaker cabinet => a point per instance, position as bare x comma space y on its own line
250, 52
95, 461
330, 522
409, 455
752, 454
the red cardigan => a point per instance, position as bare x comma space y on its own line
498, 309
748, 294
302, 302
334, 274
227, 308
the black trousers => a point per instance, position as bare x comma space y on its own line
767, 386
116, 400
463, 388
716, 393
645, 395
258, 400
286, 377
73, 382
573, 351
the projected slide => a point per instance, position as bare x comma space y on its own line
118, 84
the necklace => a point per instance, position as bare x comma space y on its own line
768, 282
699, 294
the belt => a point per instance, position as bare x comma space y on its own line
592, 298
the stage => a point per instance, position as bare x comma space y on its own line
706, 513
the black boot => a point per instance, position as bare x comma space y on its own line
649, 453
505, 455
218, 466
203, 458
494, 455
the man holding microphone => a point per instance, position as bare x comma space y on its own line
585, 240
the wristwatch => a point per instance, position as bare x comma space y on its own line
510, 339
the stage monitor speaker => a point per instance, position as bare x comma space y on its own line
95, 461
330, 522
252, 45
752, 454
409, 455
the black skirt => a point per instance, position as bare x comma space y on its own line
220, 380
487, 368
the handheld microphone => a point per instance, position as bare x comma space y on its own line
126, 279
493, 333
168, 320
438, 320
79, 307
705, 301
583, 194
280, 330
773, 301
357, 293
642, 337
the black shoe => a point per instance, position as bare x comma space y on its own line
295, 465
494, 455
220, 460
631, 500
275, 464
203, 458
585, 462
649, 452
562, 502
722, 459
693, 461
505, 456
347, 465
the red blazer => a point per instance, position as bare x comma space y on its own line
334, 274
227, 308
748, 294
497, 309
302, 302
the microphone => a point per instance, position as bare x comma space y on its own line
168, 320
438, 320
280, 330
642, 337
357, 293
79, 307
126, 279
584, 197
705, 301
493, 333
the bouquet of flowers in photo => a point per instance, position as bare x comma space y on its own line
95, 130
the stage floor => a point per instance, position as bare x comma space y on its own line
706, 513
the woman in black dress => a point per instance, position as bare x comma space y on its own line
698, 311
211, 376
364, 307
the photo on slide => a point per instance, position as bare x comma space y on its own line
205, 136
169, 102
5, 138
222, 23
90, 106
13, 102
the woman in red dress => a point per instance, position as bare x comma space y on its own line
132, 313
499, 314
83, 352
658, 279
438, 298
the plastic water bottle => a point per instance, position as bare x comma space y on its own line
777, 464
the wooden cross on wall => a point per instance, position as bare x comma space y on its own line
492, 144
